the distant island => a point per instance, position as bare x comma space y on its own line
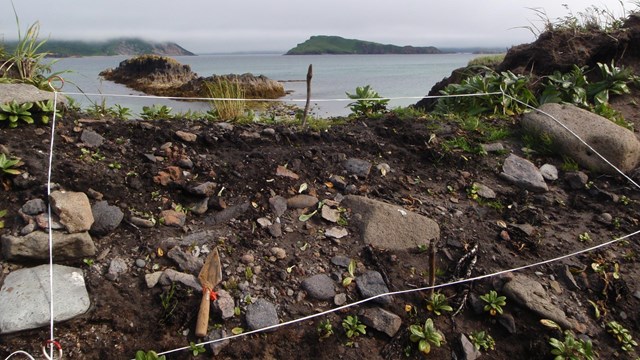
336, 45
125, 46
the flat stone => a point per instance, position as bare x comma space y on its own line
152, 279
261, 314
35, 246
173, 218
170, 275
340, 260
284, 172
618, 145
339, 182
275, 230
217, 346
24, 93
336, 232
24, 297
357, 167
144, 223
91, 138
186, 136
205, 189
576, 179
484, 191
319, 287
106, 218
390, 227
302, 201
371, 284
493, 147
227, 214
523, 173
74, 210
382, 320
330, 214
529, 293
340, 299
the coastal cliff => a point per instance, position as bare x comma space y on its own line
336, 45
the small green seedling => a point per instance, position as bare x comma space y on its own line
571, 348
149, 355
494, 302
584, 237
352, 273
426, 336
196, 349
325, 329
353, 327
482, 341
3, 213
9, 165
437, 303
622, 335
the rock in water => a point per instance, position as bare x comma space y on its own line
24, 297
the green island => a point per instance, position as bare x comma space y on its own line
122, 46
336, 45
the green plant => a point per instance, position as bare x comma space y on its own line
88, 262
494, 302
482, 341
437, 303
228, 95
149, 355
156, 112
324, 329
352, 273
13, 112
426, 336
9, 165
571, 348
46, 108
624, 200
622, 335
353, 327
122, 113
487, 60
169, 302
196, 349
584, 237
3, 213
368, 102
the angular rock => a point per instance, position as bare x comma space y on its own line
152, 279
357, 167
224, 305
319, 287
302, 201
34, 207
484, 191
227, 214
336, 232
371, 284
205, 189
530, 294
24, 297
261, 314
106, 218
469, 352
523, 173
382, 320
91, 139
339, 182
284, 172
278, 205
35, 246
493, 147
173, 218
275, 230
117, 267
74, 210
389, 226
330, 214
576, 179
23, 93
200, 207
549, 172
186, 261
217, 346
618, 145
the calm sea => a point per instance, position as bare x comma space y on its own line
333, 75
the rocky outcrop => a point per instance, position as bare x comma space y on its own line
164, 76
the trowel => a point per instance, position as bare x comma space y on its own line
210, 276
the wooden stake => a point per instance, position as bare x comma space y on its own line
306, 106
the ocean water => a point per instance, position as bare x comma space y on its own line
391, 76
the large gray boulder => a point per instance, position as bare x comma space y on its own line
389, 226
24, 93
617, 144
25, 294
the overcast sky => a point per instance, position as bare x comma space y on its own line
204, 26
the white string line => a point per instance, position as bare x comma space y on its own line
577, 137
400, 292
21, 352
51, 146
274, 100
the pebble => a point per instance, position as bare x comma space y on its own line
247, 259
330, 214
340, 260
336, 232
279, 253
141, 263
549, 172
340, 299
264, 222
319, 286
302, 201
278, 205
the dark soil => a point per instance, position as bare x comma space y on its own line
126, 316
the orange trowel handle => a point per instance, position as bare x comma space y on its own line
203, 314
